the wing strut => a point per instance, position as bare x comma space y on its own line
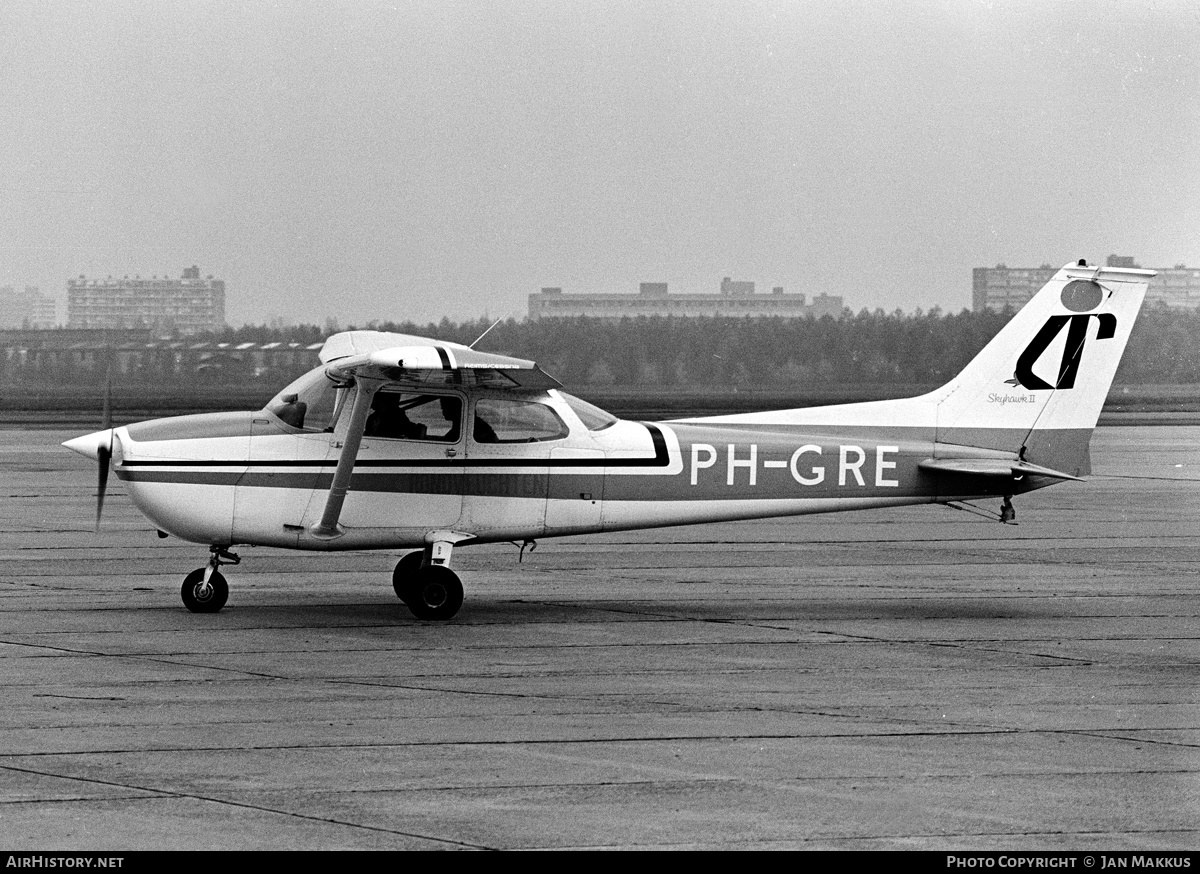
328, 527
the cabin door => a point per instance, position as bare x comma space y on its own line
409, 470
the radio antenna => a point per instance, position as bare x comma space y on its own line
485, 333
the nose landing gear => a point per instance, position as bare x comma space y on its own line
204, 589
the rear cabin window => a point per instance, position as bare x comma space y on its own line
504, 421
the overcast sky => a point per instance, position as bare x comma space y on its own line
392, 160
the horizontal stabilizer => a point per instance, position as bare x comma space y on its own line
999, 467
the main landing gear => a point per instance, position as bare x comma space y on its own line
1007, 513
204, 589
430, 589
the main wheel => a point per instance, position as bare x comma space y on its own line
200, 598
436, 594
404, 577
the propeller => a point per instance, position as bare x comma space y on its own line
100, 446
104, 455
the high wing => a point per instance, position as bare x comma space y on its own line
410, 359
376, 358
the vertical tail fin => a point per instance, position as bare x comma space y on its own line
1037, 388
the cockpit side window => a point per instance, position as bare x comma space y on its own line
400, 415
504, 421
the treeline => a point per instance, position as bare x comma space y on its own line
870, 347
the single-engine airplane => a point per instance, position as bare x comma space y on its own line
397, 441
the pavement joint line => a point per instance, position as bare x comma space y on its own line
965, 645
1068, 660
158, 659
220, 668
149, 658
673, 775
78, 799
1105, 735
162, 793
548, 742
446, 691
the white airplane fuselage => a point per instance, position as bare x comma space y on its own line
233, 478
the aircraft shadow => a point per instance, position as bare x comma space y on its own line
525, 611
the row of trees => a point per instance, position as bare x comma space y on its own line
867, 348
870, 347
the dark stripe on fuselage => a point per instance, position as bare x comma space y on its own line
526, 484
504, 485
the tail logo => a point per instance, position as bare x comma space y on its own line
1068, 368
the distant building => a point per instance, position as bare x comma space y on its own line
736, 300
728, 287
29, 310
187, 305
1001, 286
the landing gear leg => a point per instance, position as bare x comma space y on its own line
1008, 515
204, 589
426, 584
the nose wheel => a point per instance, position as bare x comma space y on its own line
204, 589
204, 596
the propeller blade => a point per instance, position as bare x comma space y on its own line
106, 418
104, 453
103, 456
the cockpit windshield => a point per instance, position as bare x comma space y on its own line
593, 418
310, 403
